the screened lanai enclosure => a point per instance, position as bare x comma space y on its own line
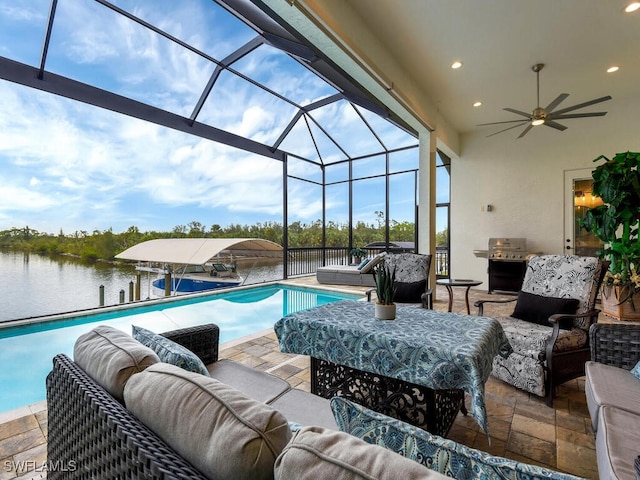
254, 113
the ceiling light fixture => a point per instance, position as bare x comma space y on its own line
477, 104
613, 68
455, 65
632, 7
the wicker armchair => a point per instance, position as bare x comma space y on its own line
552, 348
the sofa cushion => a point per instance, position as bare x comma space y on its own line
253, 383
635, 371
221, 432
444, 456
537, 308
305, 408
617, 443
110, 357
612, 386
315, 453
410, 292
169, 351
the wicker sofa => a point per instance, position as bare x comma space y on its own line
154, 432
92, 434
613, 398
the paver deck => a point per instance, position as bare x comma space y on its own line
522, 426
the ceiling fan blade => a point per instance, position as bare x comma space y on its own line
498, 123
559, 99
577, 115
556, 125
524, 114
525, 131
509, 128
582, 105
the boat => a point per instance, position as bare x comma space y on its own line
190, 265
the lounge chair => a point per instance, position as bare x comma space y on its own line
361, 274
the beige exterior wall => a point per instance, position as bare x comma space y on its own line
523, 180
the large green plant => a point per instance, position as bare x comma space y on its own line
385, 283
616, 222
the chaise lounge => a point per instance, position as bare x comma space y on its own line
355, 275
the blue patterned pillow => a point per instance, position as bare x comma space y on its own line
635, 371
169, 351
363, 263
444, 456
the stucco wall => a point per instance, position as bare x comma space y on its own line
523, 180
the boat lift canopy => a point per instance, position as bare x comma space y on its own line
197, 251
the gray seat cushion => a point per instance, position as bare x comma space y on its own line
617, 443
609, 385
306, 408
220, 431
255, 384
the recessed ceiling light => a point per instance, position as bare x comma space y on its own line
477, 104
632, 7
613, 68
456, 65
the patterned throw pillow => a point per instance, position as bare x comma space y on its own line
444, 456
635, 371
169, 351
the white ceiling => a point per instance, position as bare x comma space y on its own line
498, 41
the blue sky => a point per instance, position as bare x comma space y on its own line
66, 165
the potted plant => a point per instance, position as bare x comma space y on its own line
357, 254
616, 223
385, 279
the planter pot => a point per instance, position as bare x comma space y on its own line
612, 306
385, 312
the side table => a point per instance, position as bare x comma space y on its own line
449, 283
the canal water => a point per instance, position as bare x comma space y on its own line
33, 285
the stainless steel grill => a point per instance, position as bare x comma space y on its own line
508, 249
507, 263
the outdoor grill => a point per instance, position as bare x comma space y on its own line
507, 263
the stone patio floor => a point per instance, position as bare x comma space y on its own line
522, 427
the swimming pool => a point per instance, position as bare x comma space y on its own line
26, 351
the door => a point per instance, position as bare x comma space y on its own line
578, 199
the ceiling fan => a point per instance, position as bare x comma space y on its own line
547, 116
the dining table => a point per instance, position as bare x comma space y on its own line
425, 352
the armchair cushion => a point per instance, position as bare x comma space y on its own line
530, 339
537, 308
410, 292
635, 371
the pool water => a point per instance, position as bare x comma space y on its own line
26, 351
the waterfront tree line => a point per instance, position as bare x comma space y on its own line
104, 245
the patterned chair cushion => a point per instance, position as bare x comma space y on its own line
410, 267
635, 371
444, 456
530, 339
564, 276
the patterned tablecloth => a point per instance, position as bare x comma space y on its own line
438, 350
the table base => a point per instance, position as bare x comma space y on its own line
431, 410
